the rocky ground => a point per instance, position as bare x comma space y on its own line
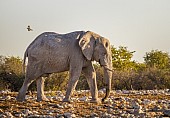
121, 104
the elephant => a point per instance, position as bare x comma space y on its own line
52, 52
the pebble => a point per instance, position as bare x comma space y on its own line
9, 115
69, 115
122, 106
60, 106
125, 92
94, 115
83, 98
166, 113
135, 105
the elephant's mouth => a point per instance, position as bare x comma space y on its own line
104, 65
107, 68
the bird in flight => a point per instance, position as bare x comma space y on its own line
29, 28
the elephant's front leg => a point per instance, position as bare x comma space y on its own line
40, 89
90, 74
74, 75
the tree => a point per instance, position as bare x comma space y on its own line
13, 65
157, 59
11, 76
57, 81
122, 58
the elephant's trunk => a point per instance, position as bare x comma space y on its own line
108, 78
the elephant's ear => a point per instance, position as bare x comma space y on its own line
87, 45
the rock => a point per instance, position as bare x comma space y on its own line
94, 115
138, 111
102, 91
156, 108
83, 99
8, 97
49, 98
106, 115
135, 105
27, 112
35, 112
34, 116
69, 106
131, 111
69, 115
18, 115
2, 116
4, 91
49, 113
139, 101
1, 111
125, 92
166, 113
9, 115
146, 101
58, 98
59, 116
74, 99
118, 91
60, 106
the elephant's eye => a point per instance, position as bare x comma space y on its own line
106, 44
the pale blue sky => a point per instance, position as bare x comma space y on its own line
141, 25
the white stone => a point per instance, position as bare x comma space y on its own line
83, 99
146, 101
35, 112
18, 115
9, 115
135, 105
125, 92
166, 112
28, 112
69, 115
8, 97
60, 107
106, 115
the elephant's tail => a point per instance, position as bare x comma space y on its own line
25, 56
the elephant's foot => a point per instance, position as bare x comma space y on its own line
43, 98
67, 100
20, 98
97, 101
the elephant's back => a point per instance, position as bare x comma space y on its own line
53, 39
51, 43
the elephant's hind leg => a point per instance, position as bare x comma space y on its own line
30, 76
40, 89
22, 91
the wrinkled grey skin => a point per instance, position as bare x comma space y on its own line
74, 52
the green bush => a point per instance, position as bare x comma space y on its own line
154, 73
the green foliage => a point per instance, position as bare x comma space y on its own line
154, 73
82, 83
10, 81
157, 59
154, 78
11, 65
57, 81
11, 73
121, 58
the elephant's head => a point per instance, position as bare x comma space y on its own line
95, 47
